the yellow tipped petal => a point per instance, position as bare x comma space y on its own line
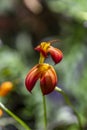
43, 48
32, 78
48, 81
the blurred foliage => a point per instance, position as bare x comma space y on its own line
17, 57
76, 9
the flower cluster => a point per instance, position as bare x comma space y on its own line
44, 72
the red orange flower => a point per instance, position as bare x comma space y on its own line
1, 112
47, 76
43, 71
5, 88
45, 47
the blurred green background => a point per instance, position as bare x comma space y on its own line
23, 25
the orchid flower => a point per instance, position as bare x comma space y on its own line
45, 47
47, 76
43, 71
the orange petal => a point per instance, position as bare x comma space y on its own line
1, 112
48, 81
56, 54
5, 88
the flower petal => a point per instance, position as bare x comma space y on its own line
5, 88
56, 54
32, 77
1, 112
48, 81
43, 48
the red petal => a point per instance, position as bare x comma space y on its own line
31, 78
56, 54
48, 81
39, 49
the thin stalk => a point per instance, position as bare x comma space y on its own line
41, 60
59, 90
45, 115
22, 123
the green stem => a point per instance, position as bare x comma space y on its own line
41, 60
45, 116
15, 117
70, 104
